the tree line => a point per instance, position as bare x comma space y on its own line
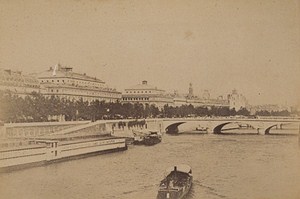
36, 107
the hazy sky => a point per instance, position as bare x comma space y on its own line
218, 45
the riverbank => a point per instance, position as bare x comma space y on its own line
27, 145
42, 152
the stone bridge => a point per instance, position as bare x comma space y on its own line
221, 125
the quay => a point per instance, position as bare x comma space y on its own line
32, 144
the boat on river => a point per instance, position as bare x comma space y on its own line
152, 138
197, 130
177, 182
201, 129
138, 137
146, 137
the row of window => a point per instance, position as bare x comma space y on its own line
12, 79
136, 98
72, 81
85, 92
138, 91
89, 98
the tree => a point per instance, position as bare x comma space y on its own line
243, 111
154, 110
138, 110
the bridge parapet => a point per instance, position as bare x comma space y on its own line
215, 125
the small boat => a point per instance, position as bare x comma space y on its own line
177, 182
197, 130
153, 138
146, 137
201, 129
138, 137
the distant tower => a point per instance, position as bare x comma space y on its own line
236, 100
191, 92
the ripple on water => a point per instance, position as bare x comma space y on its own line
224, 166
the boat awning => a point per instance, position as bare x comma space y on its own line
181, 168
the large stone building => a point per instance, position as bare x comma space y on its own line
205, 100
64, 83
237, 100
147, 94
178, 99
17, 83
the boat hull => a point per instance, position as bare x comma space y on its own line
174, 194
151, 141
176, 184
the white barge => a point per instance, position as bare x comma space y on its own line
44, 151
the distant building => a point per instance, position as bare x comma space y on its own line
200, 102
236, 100
205, 100
64, 83
178, 99
268, 107
147, 94
17, 83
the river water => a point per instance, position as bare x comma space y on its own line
224, 166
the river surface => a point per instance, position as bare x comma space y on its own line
224, 166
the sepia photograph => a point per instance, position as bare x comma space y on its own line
150, 99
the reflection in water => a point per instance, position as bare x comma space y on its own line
224, 166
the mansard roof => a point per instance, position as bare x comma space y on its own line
60, 71
143, 86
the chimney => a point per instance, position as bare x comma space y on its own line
144, 82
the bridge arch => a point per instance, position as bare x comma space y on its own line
218, 128
267, 131
278, 125
173, 128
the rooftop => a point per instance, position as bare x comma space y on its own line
144, 86
60, 71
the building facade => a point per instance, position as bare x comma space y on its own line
147, 94
205, 100
17, 83
236, 100
178, 99
268, 107
63, 82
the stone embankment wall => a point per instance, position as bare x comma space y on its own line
39, 142
27, 130
21, 134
